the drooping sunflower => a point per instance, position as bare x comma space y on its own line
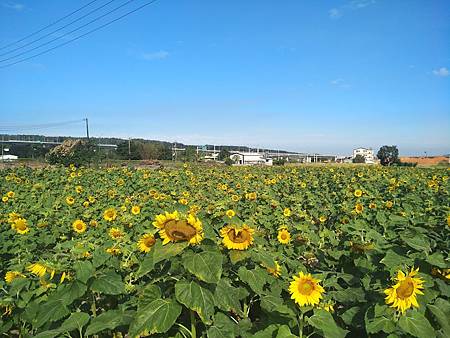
403, 294
276, 271
37, 269
21, 226
11, 275
284, 236
110, 214
237, 238
115, 233
306, 290
146, 242
136, 210
174, 228
79, 226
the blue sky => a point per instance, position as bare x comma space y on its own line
317, 76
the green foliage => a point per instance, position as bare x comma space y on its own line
359, 159
388, 155
223, 155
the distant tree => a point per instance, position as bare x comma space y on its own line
129, 150
229, 161
190, 154
388, 155
279, 161
223, 155
359, 159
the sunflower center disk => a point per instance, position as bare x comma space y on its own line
305, 288
238, 236
405, 289
179, 230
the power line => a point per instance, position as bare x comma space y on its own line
39, 126
54, 31
80, 36
68, 33
52, 24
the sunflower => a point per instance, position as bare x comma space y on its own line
146, 242
287, 212
174, 229
322, 219
237, 238
372, 206
37, 269
276, 271
70, 200
78, 189
5, 199
403, 294
10, 194
306, 290
136, 210
389, 204
93, 223
235, 198
115, 233
21, 226
230, 213
183, 201
359, 208
113, 251
284, 236
79, 226
11, 275
110, 214
358, 193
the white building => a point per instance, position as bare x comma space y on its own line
248, 158
8, 157
367, 153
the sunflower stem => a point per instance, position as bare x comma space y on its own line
193, 325
300, 325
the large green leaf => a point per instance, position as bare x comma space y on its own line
109, 320
441, 311
159, 253
323, 321
255, 278
109, 283
76, 321
227, 297
223, 327
380, 324
206, 266
155, 317
415, 323
84, 270
394, 261
50, 311
196, 298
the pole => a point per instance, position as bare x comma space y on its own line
87, 128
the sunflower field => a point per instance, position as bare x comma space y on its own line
195, 251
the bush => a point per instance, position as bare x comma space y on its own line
77, 152
280, 161
359, 159
228, 161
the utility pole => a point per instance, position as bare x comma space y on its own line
129, 148
87, 128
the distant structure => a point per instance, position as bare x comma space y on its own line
367, 153
250, 158
8, 158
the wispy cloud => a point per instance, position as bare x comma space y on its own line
338, 12
13, 5
340, 83
159, 55
442, 72
334, 13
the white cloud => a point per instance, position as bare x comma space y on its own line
358, 4
443, 72
162, 54
334, 13
14, 5
341, 83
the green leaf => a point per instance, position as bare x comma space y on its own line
255, 278
109, 283
323, 321
84, 270
437, 259
222, 327
271, 303
394, 261
416, 240
109, 320
206, 266
416, 324
380, 324
75, 322
285, 332
441, 311
156, 317
227, 297
148, 294
50, 311
349, 295
264, 258
237, 255
159, 253
196, 298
